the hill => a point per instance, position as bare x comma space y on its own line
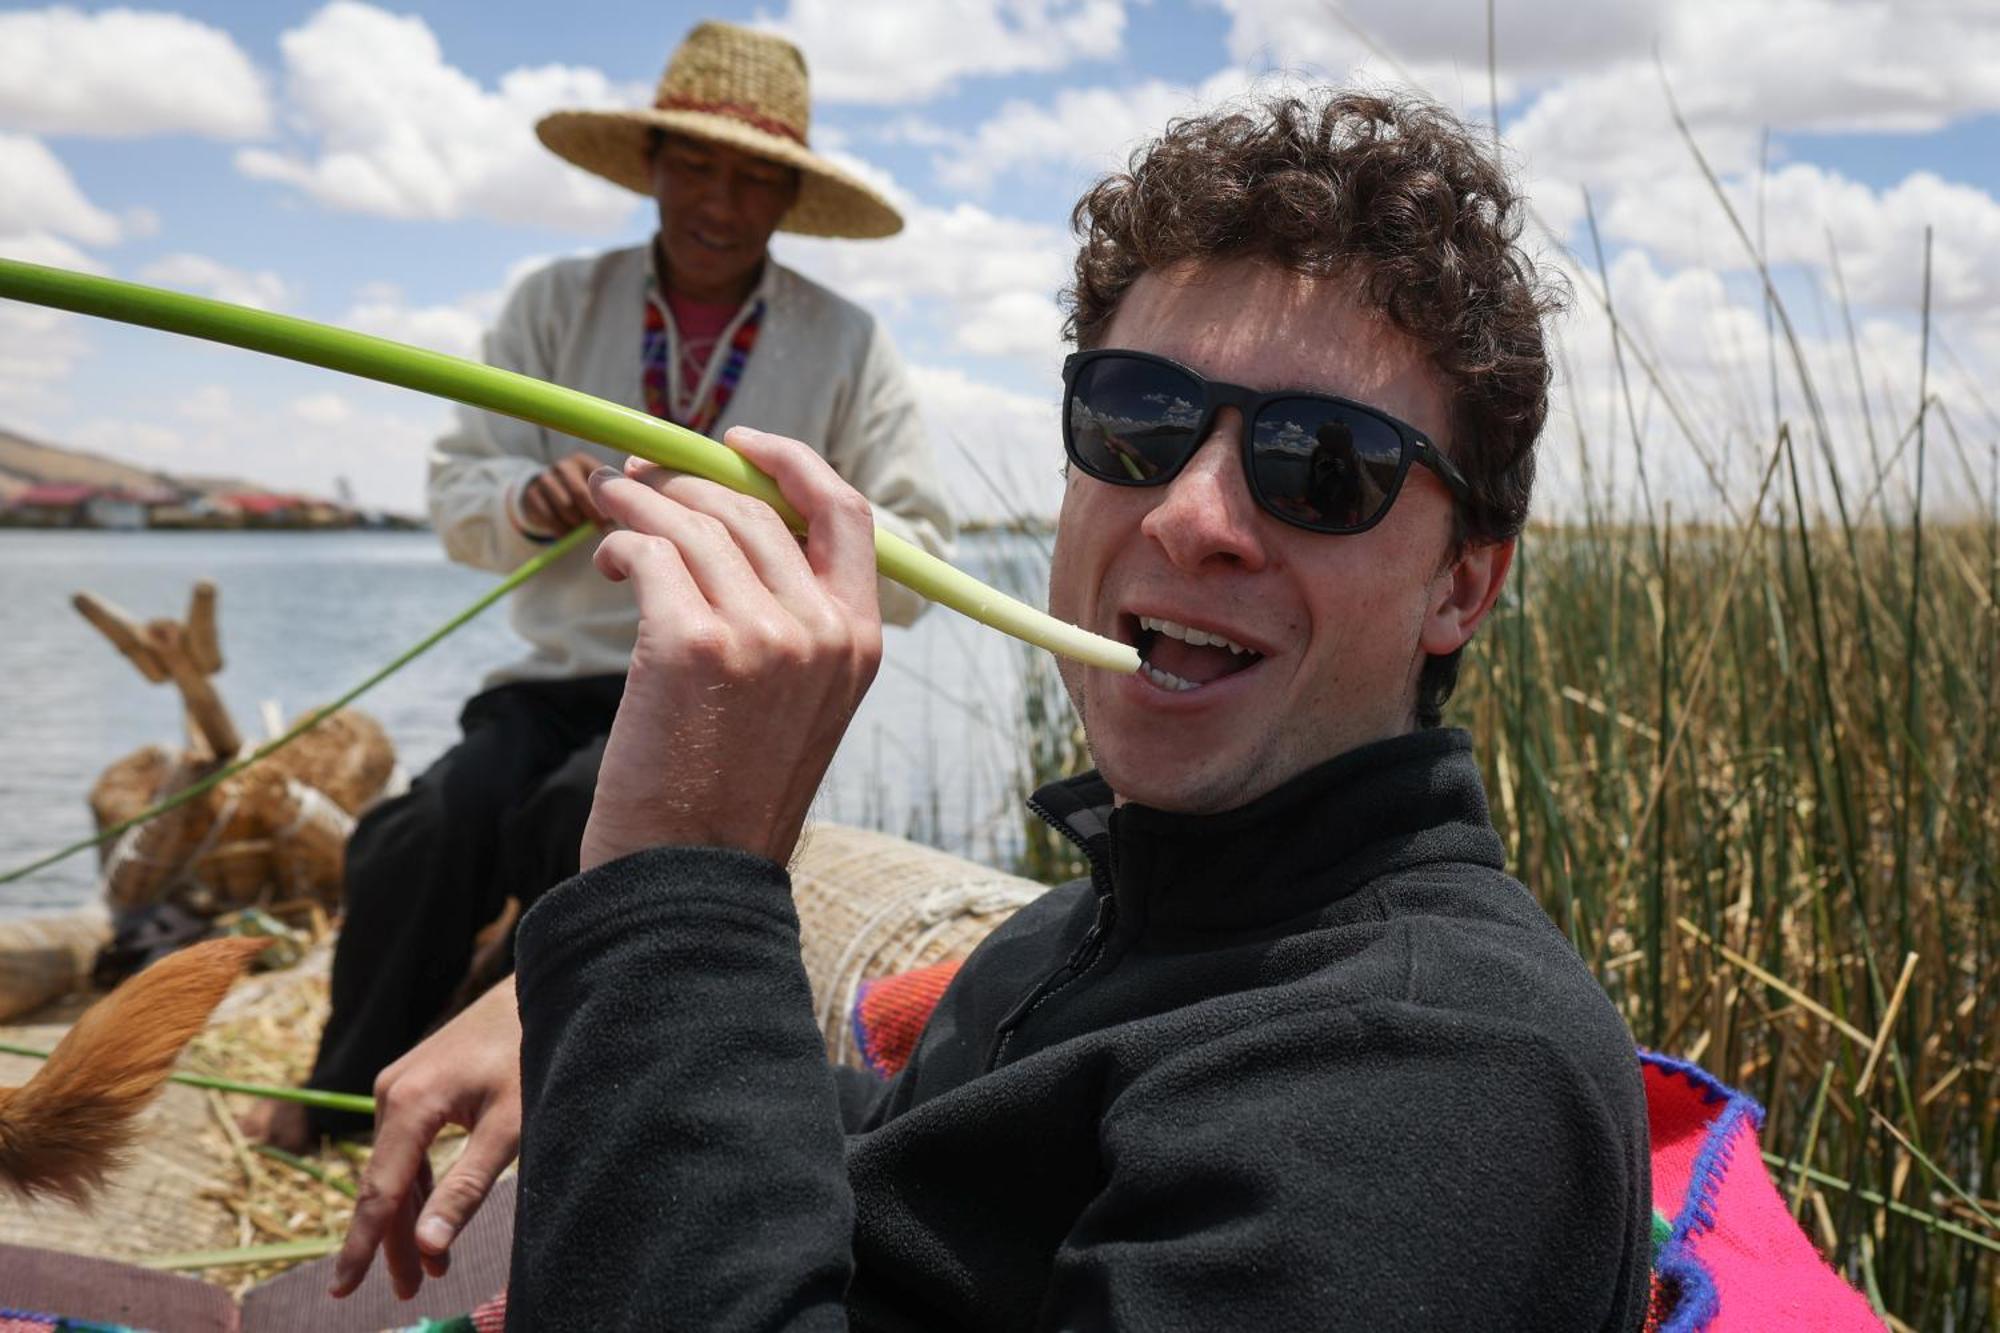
25, 462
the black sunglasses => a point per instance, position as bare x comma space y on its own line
1316, 461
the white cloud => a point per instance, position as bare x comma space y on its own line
126, 73
987, 282
261, 289
322, 409
998, 451
1701, 396
43, 215
41, 196
1081, 130
39, 348
1879, 234
1533, 37
1738, 67
1790, 64
42, 248
893, 51
208, 405
457, 327
398, 132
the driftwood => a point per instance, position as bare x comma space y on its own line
185, 653
276, 832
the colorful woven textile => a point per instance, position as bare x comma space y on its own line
890, 1013
1727, 1256
1734, 1261
490, 1317
701, 415
27, 1321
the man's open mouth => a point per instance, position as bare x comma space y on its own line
1180, 657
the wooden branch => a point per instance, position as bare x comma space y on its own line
204, 643
125, 633
169, 642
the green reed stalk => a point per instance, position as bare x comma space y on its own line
329, 1101
284, 1251
530, 399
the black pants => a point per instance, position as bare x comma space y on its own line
500, 815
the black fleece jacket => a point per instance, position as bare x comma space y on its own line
1314, 1063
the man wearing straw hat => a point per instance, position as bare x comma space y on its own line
699, 326
1298, 1053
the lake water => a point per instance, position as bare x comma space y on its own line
305, 616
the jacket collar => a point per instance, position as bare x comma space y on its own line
1384, 807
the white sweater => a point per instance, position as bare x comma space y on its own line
822, 371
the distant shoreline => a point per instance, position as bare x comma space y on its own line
387, 524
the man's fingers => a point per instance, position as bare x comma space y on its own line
772, 549
399, 1243
393, 1170
840, 526
464, 1187
576, 471
708, 548
561, 488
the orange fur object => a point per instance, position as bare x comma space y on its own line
63, 1131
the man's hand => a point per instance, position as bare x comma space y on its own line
754, 649
466, 1073
558, 497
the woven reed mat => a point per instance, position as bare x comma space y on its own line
869, 905
154, 1203
187, 1184
46, 956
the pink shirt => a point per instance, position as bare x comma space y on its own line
699, 325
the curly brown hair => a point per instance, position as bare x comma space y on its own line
1390, 191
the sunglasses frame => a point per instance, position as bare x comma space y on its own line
1417, 447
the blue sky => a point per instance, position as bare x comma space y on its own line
375, 166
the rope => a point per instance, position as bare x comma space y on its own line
932, 908
569, 542
315, 807
191, 864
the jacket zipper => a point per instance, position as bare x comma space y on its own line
1081, 959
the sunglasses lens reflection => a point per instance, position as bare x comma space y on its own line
1132, 421
1323, 465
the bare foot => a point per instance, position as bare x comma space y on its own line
280, 1124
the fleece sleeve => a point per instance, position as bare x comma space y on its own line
681, 1148
1375, 1169
479, 465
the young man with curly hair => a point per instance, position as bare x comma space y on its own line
1299, 1053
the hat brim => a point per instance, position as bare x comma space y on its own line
613, 144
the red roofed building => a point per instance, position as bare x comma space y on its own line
55, 504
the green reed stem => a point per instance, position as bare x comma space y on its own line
328, 1101
550, 405
305, 1168
281, 1252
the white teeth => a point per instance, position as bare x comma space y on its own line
1198, 637
1166, 680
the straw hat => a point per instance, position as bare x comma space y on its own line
731, 86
